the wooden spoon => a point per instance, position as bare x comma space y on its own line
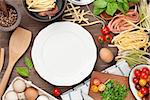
3, 7
18, 44
1, 58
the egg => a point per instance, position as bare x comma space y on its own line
19, 86
106, 55
21, 96
31, 93
42, 97
11, 95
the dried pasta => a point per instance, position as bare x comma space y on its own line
40, 5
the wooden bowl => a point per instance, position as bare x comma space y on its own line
16, 24
61, 6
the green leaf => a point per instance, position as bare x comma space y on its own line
28, 62
100, 4
120, 1
134, 1
110, 1
97, 11
111, 8
22, 71
123, 7
120, 7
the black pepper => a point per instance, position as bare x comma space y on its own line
11, 19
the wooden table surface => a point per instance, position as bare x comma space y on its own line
35, 27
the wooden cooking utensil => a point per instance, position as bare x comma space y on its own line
18, 44
3, 7
1, 58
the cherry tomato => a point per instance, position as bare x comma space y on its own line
96, 82
105, 30
142, 82
138, 86
94, 88
144, 90
144, 75
140, 94
146, 70
135, 80
108, 38
56, 92
100, 39
101, 87
137, 73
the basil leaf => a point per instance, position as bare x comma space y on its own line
111, 8
97, 11
28, 62
123, 7
134, 1
22, 71
120, 7
100, 3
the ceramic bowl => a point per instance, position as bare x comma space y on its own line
16, 24
132, 85
61, 6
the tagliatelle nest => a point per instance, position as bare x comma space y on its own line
77, 15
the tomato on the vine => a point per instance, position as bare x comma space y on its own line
56, 92
100, 39
105, 30
108, 38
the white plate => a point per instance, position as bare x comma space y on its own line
81, 2
64, 53
132, 85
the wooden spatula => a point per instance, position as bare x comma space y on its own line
18, 44
1, 58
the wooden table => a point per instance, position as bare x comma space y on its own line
35, 27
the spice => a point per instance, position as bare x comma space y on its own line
11, 19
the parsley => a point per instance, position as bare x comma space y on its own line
114, 91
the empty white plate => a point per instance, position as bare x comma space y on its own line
81, 2
64, 53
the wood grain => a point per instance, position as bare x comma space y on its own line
2, 53
35, 27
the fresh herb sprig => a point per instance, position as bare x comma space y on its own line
24, 71
111, 6
114, 91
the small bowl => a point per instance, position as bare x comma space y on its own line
16, 24
131, 84
61, 6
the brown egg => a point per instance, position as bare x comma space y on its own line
106, 55
31, 93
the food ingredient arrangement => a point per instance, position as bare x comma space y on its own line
110, 90
125, 26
